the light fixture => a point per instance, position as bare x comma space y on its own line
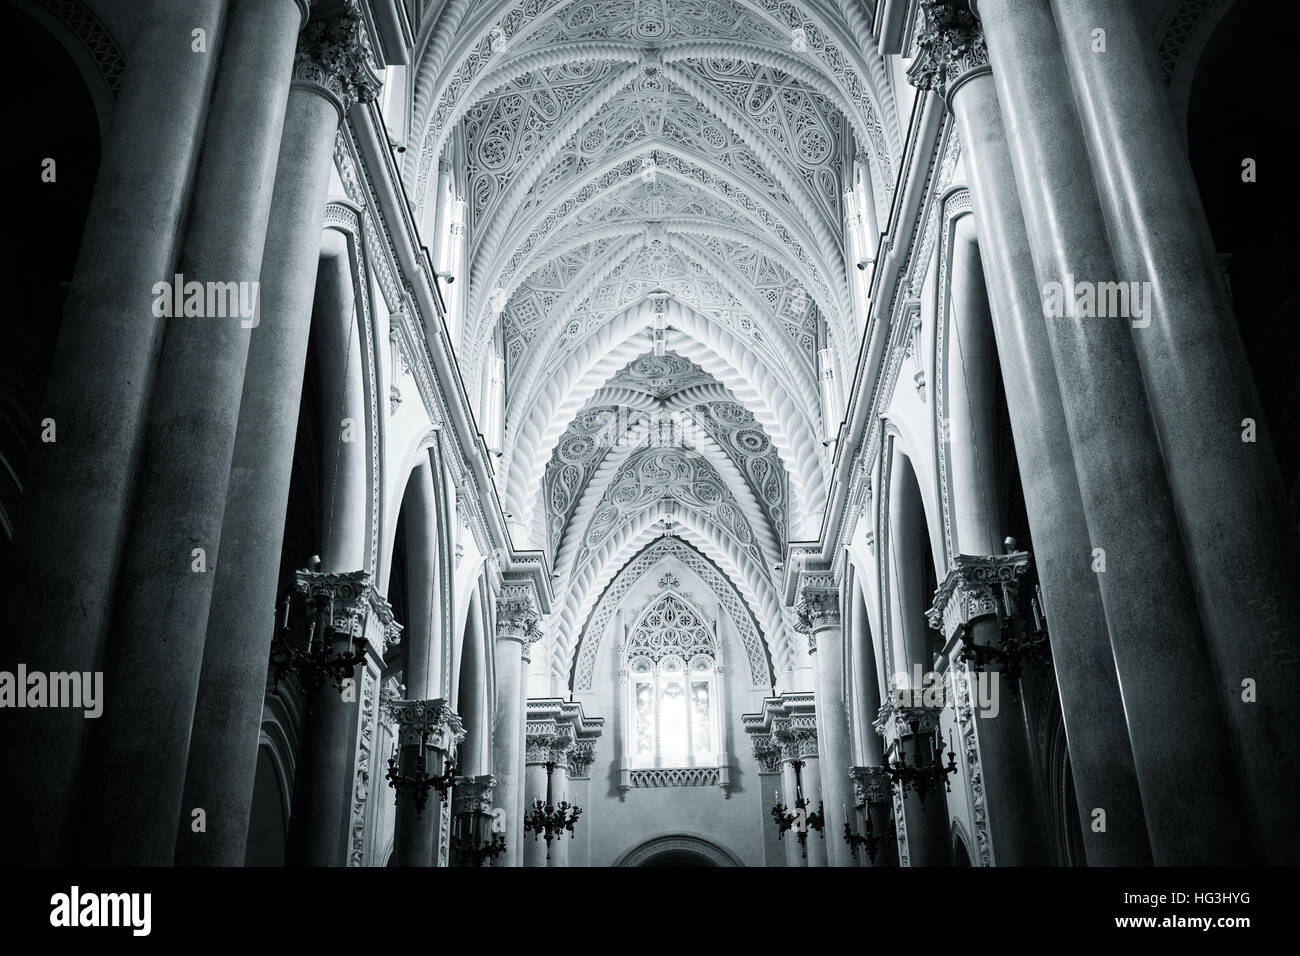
446, 277
547, 820
421, 782
869, 839
927, 770
798, 818
318, 660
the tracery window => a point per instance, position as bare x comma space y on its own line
672, 706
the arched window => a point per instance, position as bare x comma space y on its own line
672, 706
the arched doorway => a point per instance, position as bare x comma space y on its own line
678, 850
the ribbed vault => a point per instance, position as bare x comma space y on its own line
655, 248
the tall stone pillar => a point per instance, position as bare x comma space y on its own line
794, 722
920, 825
1180, 739
77, 492
474, 827
955, 63
1231, 503
227, 717
428, 735
975, 603
538, 788
796, 854
818, 614
338, 767
517, 630
171, 553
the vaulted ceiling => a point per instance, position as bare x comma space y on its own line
654, 192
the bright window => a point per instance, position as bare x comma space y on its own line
672, 690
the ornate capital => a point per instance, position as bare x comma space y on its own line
335, 55
517, 615
767, 754
895, 722
973, 589
949, 46
428, 722
350, 601
870, 785
581, 757
473, 794
796, 742
818, 607
538, 747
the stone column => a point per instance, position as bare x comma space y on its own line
537, 756
795, 855
921, 826
975, 598
560, 751
77, 491
428, 734
818, 841
474, 826
819, 616
1179, 736
874, 799
516, 631
955, 62
337, 767
1231, 503
171, 554
228, 713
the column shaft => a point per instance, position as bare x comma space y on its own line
171, 555
77, 491
1232, 506
507, 745
534, 791
833, 741
1096, 729
228, 713
1184, 771
812, 791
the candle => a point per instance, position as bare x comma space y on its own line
286, 612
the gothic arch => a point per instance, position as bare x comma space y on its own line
678, 846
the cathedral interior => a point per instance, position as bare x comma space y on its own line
692, 433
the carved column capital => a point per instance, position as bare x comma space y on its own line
581, 757
818, 607
356, 609
767, 753
334, 56
518, 616
870, 785
473, 794
429, 722
950, 47
973, 588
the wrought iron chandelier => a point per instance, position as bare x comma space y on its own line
868, 839
1016, 648
546, 819
318, 660
421, 782
474, 838
798, 818
927, 770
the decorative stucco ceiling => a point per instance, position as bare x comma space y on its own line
654, 192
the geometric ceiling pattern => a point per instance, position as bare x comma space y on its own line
654, 194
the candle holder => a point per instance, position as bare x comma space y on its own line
318, 661
547, 820
1016, 648
798, 819
421, 782
870, 840
923, 775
